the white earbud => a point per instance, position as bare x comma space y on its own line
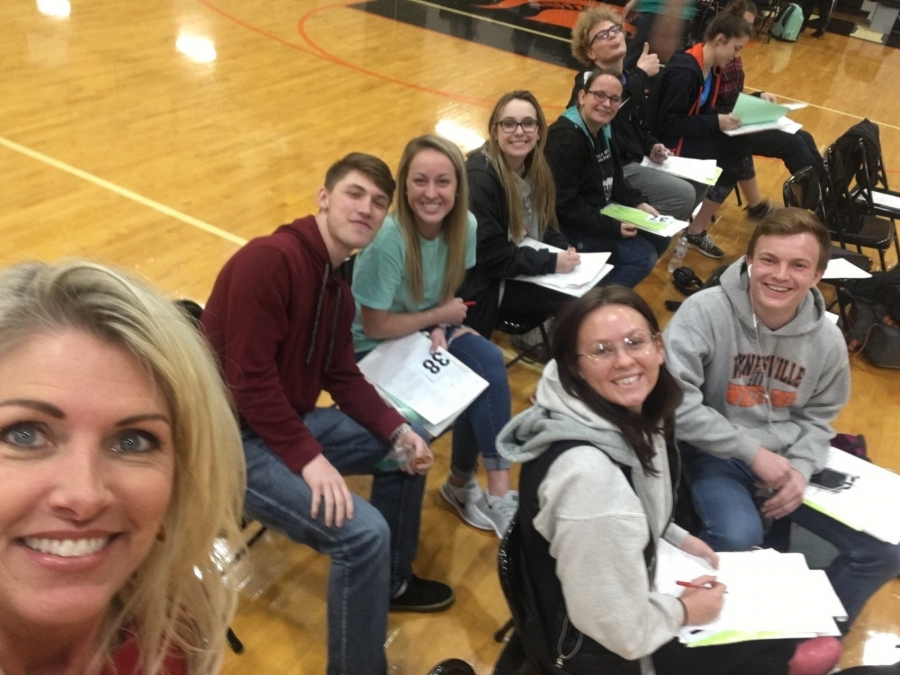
749, 270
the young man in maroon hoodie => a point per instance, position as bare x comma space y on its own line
279, 319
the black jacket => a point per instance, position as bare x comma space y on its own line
579, 173
632, 134
497, 257
551, 639
677, 116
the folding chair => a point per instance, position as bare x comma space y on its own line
804, 190
850, 223
526, 324
873, 193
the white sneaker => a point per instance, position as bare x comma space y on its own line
500, 510
466, 500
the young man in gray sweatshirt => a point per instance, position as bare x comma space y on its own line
765, 372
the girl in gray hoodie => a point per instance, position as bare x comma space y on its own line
597, 493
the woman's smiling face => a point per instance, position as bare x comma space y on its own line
87, 467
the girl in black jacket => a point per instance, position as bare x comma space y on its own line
512, 195
687, 122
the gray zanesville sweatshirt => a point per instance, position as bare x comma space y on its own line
596, 524
746, 386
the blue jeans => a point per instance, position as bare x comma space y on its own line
637, 256
371, 555
723, 495
477, 428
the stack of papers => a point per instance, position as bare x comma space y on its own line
664, 226
784, 124
757, 110
700, 170
759, 115
579, 281
871, 504
770, 595
436, 387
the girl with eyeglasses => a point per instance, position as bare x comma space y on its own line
597, 491
512, 195
587, 170
407, 280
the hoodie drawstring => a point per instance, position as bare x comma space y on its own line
312, 343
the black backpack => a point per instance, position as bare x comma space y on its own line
848, 174
875, 317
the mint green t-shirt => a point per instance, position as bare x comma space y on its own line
379, 275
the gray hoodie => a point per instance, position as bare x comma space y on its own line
596, 524
746, 386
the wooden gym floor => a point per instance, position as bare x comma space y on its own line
160, 136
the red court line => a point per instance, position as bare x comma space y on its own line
218, 10
316, 50
301, 29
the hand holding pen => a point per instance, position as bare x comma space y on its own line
659, 153
702, 600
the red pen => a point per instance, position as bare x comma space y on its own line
469, 303
688, 584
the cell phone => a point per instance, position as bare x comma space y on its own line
829, 479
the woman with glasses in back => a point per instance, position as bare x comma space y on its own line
597, 487
512, 196
598, 41
587, 170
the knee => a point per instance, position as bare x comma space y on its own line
727, 529
641, 254
366, 537
733, 535
879, 555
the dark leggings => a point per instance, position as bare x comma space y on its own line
729, 153
521, 298
797, 151
758, 657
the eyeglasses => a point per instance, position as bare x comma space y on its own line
603, 97
529, 125
636, 344
610, 32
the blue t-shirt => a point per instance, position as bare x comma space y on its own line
379, 275
707, 87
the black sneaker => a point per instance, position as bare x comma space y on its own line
705, 244
422, 595
761, 210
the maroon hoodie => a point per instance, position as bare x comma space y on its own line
280, 322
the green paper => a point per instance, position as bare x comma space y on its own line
640, 219
727, 637
828, 513
754, 110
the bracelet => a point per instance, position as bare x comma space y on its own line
684, 609
399, 432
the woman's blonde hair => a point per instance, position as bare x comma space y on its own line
178, 599
455, 226
581, 31
543, 189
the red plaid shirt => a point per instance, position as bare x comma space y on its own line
731, 83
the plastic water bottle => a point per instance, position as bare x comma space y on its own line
398, 457
677, 259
